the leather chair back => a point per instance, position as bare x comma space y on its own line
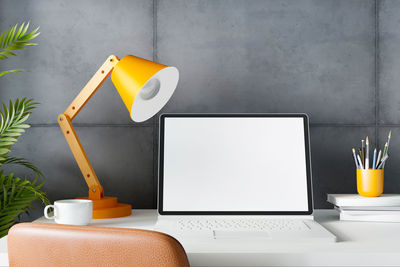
43, 244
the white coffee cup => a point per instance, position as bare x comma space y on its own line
71, 211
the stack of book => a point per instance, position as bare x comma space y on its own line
353, 207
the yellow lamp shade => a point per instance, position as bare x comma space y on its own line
144, 86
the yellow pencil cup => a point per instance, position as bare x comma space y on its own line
370, 182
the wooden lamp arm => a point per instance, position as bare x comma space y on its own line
65, 121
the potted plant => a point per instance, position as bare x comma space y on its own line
16, 194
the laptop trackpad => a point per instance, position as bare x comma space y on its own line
224, 234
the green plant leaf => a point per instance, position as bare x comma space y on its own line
12, 124
23, 162
16, 196
16, 38
10, 71
4, 150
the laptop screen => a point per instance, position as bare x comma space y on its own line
234, 164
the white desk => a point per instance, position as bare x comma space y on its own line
360, 244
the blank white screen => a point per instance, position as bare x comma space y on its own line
234, 164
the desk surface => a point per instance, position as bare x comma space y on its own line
359, 244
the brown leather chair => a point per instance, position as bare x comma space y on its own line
42, 244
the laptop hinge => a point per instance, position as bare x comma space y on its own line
271, 217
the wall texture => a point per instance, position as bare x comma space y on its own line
336, 60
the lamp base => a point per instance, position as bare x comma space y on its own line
108, 207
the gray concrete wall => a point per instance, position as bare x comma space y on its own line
336, 60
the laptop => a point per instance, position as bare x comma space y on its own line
236, 177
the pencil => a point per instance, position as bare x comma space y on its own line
385, 150
360, 162
374, 160
367, 153
379, 158
388, 143
380, 166
355, 158
363, 151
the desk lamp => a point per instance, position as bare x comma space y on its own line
145, 87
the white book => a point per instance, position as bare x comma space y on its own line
368, 212
369, 208
356, 201
379, 216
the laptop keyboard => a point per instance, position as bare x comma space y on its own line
270, 225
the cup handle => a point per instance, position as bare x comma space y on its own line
45, 212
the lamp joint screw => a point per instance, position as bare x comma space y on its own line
93, 190
61, 119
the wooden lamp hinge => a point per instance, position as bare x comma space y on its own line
96, 192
